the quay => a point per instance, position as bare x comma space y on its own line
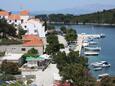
82, 37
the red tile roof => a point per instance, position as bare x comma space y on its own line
24, 12
14, 17
32, 41
4, 13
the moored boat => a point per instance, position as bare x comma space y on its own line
93, 48
98, 69
103, 75
91, 53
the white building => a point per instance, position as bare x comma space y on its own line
35, 27
4, 14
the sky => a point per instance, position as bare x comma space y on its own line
57, 5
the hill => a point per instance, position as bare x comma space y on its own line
100, 17
105, 16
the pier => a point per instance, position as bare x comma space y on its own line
82, 37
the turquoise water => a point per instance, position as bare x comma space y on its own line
107, 45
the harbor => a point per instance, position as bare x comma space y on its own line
107, 47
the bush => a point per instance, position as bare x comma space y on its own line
9, 67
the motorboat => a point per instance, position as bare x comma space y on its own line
103, 75
96, 64
102, 35
85, 44
98, 69
92, 43
91, 53
102, 64
93, 48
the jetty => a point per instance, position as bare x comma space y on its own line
82, 37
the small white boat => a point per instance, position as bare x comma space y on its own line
96, 64
93, 48
102, 64
103, 75
98, 69
85, 44
91, 53
102, 35
92, 43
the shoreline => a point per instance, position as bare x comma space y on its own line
95, 24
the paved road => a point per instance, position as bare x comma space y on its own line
46, 78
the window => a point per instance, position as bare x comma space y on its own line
25, 26
15, 20
22, 21
9, 20
35, 31
23, 49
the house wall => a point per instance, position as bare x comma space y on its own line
19, 49
6, 17
35, 28
25, 18
17, 22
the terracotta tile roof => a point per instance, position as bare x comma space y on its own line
14, 17
4, 13
32, 41
24, 12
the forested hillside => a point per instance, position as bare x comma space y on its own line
105, 16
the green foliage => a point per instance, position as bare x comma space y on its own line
53, 44
73, 68
5, 41
65, 19
21, 32
50, 27
52, 39
9, 67
7, 77
61, 46
71, 35
2, 54
6, 29
105, 16
32, 52
63, 29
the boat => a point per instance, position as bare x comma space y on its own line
85, 44
96, 64
91, 53
98, 69
103, 64
106, 65
102, 35
93, 48
103, 75
92, 43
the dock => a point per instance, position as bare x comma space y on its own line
82, 37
